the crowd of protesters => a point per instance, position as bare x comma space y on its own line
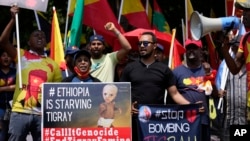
146, 69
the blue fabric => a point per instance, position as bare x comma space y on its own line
76, 79
187, 84
219, 74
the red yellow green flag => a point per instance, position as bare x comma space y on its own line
76, 25
159, 21
96, 14
135, 13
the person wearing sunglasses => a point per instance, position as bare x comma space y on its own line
103, 65
149, 78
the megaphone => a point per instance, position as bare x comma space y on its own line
200, 25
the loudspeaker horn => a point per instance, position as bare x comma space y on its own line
200, 25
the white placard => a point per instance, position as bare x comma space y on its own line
39, 5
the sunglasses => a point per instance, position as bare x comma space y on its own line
93, 44
144, 43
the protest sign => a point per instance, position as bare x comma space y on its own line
77, 111
39, 5
169, 122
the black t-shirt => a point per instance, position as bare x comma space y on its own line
148, 83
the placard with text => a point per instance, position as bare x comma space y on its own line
39, 5
169, 122
86, 111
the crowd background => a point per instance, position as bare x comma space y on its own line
173, 11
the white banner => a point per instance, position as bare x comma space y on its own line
39, 5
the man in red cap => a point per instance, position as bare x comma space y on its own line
192, 82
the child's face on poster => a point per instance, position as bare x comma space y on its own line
109, 93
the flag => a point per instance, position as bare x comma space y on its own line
229, 6
176, 50
231, 10
56, 44
96, 14
177, 60
72, 5
176, 57
159, 21
135, 13
149, 12
213, 57
76, 25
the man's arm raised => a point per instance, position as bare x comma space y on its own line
4, 39
125, 45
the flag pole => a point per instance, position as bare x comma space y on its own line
18, 51
233, 10
66, 24
65, 32
120, 11
171, 49
147, 4
37, 20
183, 32
186, 15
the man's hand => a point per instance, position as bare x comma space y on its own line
201, 107
207, 68
222, 93
109, 26
225, 45
14, 10
134, 110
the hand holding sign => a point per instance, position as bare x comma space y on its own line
39, 5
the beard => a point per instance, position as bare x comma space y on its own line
145, 54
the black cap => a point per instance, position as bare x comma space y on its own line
82, 52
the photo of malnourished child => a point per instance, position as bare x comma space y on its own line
107, 109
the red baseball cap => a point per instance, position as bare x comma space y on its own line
197, 43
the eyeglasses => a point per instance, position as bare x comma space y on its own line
144, 43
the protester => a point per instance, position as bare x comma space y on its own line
103, 65
81, 68
149, 79
69, 55
235, 95
191, 81
159, 53
36, 68
236, 64
7, 87
131, 57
